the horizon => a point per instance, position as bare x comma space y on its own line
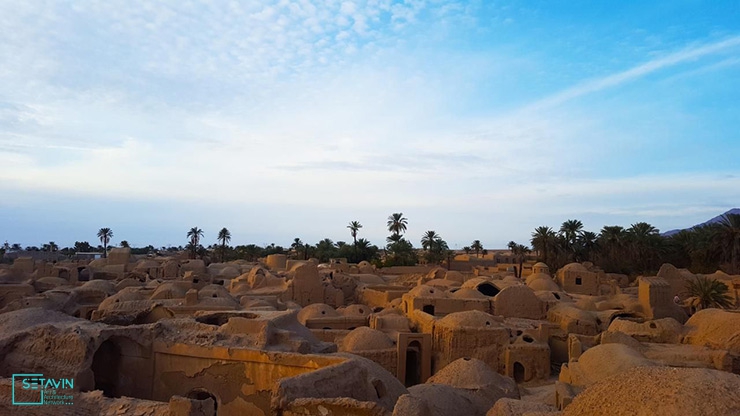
479, 121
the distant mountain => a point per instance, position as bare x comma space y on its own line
712, 221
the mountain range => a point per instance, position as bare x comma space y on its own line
716, 219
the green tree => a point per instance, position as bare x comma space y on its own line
195, 234
477, 247
544, 241
428, 239
105, 234
224, 236
727, 238
397, 224
354, 227
125, 244
520, 252
709, 293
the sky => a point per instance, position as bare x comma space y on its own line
283, 119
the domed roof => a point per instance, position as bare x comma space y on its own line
511, 279
102, 285
606, 360
214, 291
475, 319
315, 310
424, 291
661, 391
169, 290
543, 282
540, 265
468, 293
355, 310
365, 339
714, 328
471, 373
575, 267
229, 272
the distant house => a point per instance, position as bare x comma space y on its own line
35, 255
87, 255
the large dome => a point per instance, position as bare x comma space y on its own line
661, 391
365, 339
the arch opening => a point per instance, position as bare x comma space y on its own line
487, 289
413, 364
518, 372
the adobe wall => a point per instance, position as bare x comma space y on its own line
449, 344
242, 380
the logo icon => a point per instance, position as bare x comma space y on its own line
28, 382
35, 390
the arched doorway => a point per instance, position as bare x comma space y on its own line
203, 394
106, 362
518, 372
413, 364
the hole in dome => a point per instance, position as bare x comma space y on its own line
652, 325
527, 338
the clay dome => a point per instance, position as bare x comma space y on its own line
100, 285
214, 291
661, 391
468, 293
574, 267
714, 328
145, 264
511, 279
229, 272
356, 310
606, 360
424, 291
365, 339
169, 290
475, 319
48, 283
543, 282
471, 373
316, 310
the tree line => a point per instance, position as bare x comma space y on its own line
641, 249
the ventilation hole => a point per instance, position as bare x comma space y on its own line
214, 295
431, 290
488, 323
652, 325
518, 333
362, 311
556, 295
527, 338
323, 312
466, 358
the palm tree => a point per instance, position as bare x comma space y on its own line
125, 244
428, 239
224, 236
477, 247
727, 236
394, 238
53, 246
519, 251
543, 241
354, 227
195, 234
588, 244
645, 240
710, 293
397, 223
105, 234
466, 249
570, 230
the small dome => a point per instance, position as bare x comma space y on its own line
661, 391
476, 319
366, 339
575, 267
102, 285
315, 310
169, 290
214, 291
355, 310
468, 293
545, 282
229, 272
471, 373
424, 291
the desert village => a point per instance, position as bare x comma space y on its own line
156, 335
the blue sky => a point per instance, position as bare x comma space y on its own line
479, 120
